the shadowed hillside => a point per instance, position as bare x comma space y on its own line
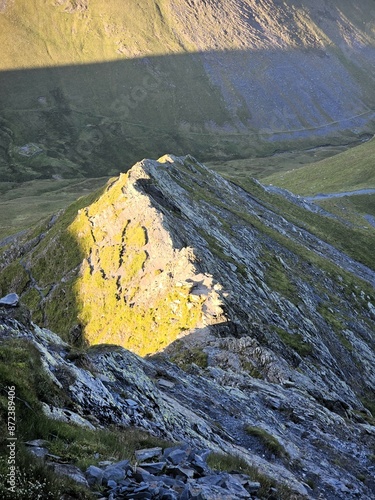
228, 80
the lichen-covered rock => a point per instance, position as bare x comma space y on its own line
275, 362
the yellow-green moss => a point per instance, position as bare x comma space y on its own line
142, 328
113, 305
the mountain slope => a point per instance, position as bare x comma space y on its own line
83, 81
122, 246
348, 171
260, 328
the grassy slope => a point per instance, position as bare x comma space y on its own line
60, 34
278, 163
23, 205
357, 242
353, 209
348, 171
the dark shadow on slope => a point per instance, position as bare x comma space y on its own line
98, 119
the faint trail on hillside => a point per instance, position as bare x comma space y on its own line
326, 196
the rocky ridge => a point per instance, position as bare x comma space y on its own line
276, 365
212, 408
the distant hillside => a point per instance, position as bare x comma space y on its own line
348, 171
88, 87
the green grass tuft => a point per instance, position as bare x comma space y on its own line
295, 341
268, 441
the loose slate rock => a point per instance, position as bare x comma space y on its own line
153, 468
36, 442
10, 300
182, 475
142, 455
94, 475
71, 471
177, 456
38, 451
113, 473
205, 492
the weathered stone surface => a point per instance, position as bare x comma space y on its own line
10, 300
177, 454
113, 473
36, 442
153, 467
227, 482
94, 475
142, 455
38, 451
65, 415
171, 482
71, 471
296, 363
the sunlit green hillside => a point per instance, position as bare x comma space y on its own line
348, 171
38, 33
90, 87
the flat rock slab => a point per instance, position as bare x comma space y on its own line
36, 442
38, 451
10, 300
71, 471
148, 453
113, 473
94, 475
153, 468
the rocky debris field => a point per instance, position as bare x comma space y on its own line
279, 429
179, 472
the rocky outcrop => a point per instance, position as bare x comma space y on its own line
218, 408
275, 364
10, 300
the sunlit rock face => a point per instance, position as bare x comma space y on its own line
137, 286
89, 89
171, 248
259, 328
